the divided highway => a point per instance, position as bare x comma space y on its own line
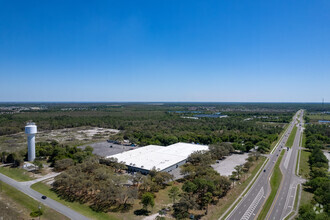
284, 200
250, 206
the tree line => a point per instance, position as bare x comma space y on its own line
317, 138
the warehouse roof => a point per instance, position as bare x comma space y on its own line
158, 156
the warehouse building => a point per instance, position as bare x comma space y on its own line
162, 158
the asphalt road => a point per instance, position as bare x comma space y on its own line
249, 207
25, 188
284, 200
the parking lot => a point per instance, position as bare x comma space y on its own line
227, 166
107, 149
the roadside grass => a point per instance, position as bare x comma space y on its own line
289, 216
279, 137
81, 208
306, 197
224, 203
296, 199
297, 162
16, 173
303, 142
28, 203
303, 166
290, 140
275, 182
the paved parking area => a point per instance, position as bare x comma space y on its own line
226, 167
104, 148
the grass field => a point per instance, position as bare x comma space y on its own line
290, 140
275, 182
28, 203
81, 208
304, 166
224, 203
16, 174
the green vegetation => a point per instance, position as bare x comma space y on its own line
28, 203
316, 189
296, 198
16, 173
232, 195
306, 197
81, 208
145, 124
275, 182
318, 117
56, 152
291, 138
297, 162
303, 166
317, 136
202, 184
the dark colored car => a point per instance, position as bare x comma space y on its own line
44, 197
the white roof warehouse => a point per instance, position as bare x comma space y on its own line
162, 158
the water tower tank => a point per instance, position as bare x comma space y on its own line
31, 130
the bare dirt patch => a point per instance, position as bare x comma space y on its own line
69, 136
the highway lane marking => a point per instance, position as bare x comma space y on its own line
253, 205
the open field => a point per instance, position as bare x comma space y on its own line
290, 140
67, 136
275, 182
25, 204
16, 173
224, 203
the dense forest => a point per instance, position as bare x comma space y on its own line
317, 138
247, 125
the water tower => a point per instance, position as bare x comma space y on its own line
31, 130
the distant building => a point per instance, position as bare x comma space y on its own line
161, 158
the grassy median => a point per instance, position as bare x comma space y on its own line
290, 140
275, 182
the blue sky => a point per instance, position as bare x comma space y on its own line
165, 50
